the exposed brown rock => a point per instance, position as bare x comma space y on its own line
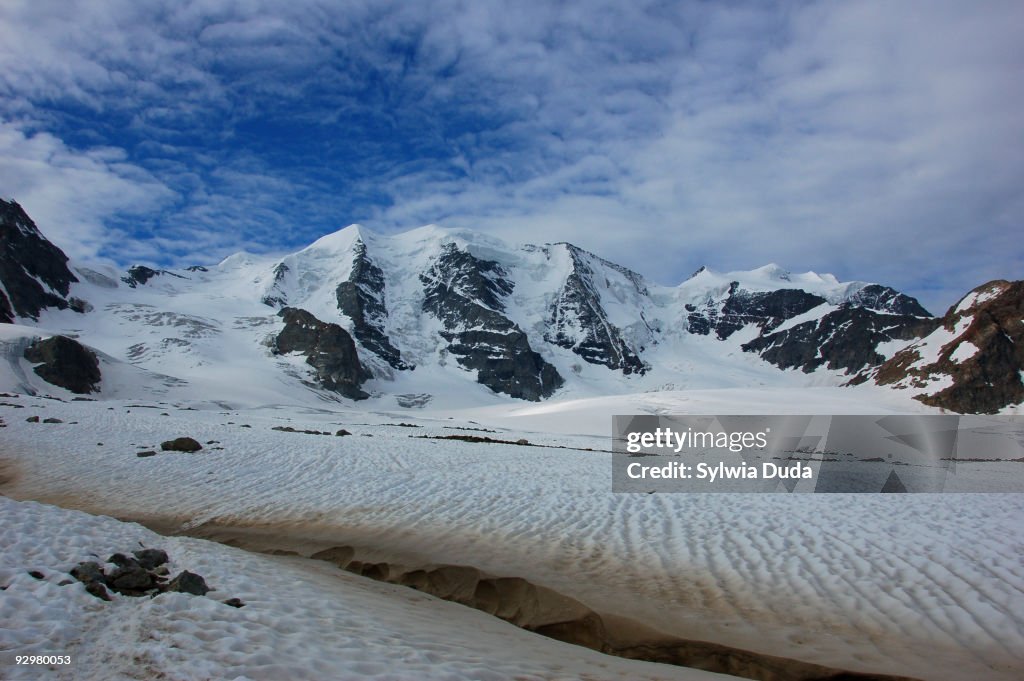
987, 380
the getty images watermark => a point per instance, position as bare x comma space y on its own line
890, 454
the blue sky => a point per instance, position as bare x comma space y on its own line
875, 140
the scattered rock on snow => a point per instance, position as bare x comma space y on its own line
190, 583
181, 444
91, 575
150, 558
131, 578
141, 575
121, 560
289, 429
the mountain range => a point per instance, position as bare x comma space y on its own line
362, 315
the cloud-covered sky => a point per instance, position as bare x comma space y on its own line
876, 140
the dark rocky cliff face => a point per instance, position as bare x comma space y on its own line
66, 363
277, 297
26, 259
741, 307
844, 339
466, 293
362, 299
140, 275
767, 310
889, 300
977, 351
577, 320
328, 348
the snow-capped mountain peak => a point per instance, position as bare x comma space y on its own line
435, 311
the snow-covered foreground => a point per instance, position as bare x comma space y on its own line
301, 620
930, 586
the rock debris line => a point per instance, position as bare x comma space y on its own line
289, 429
144, 573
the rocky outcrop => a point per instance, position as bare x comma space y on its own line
328, 348
34, 273
66, 363
973, 363
139, 275
841, 338
277, 296
466, 294
889, 300
362, 299
845, 339
578, 321
741, 307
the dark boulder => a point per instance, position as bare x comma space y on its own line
189, 583
130, 578
86, 572
91, 575
65, 363
121, 560
181, 444
150, 558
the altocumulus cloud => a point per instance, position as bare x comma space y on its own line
874, 140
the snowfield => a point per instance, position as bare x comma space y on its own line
926, 586
302, 619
